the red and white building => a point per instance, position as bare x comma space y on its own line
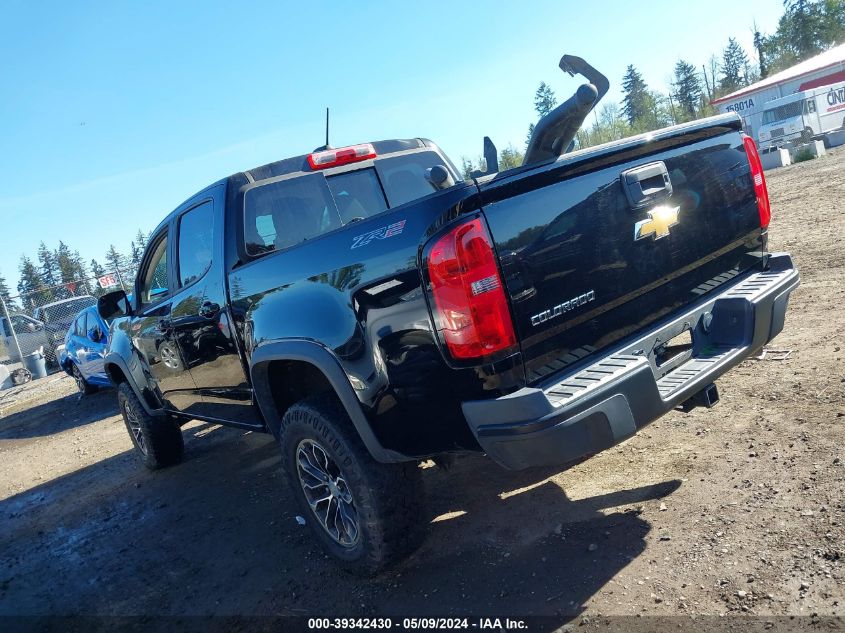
749, 102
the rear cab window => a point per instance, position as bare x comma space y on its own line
289, 211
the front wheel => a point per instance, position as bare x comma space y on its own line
84, 387
365, 514
157, 439
806, 136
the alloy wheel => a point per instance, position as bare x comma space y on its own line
327, 493
169, 358
134, 426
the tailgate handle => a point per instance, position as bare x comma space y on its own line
647, 184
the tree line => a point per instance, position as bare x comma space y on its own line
806, 28
59, 273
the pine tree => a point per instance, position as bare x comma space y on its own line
97, 272
135, 253
31, 285
49, 271
80, 266
544, 99
806, 28
141, 240
687, 89
544, 102
81, 273
96, 269
114, 260
734, 62
759, 46
5, 293
803, 18
831, 23
65, 264
635, 100
529, 135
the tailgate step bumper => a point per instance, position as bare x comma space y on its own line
582, 412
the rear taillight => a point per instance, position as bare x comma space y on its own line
759, 181
469, 298
341, 156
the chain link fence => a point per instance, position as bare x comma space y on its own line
38, 321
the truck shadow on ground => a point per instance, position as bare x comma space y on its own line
218, 535
55, 416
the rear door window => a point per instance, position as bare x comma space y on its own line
195, 242
284, 213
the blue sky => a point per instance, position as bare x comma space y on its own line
113, 113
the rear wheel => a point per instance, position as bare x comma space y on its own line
157, 439
365, 514
81, 383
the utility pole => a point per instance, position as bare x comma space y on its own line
120, 279
672, 110
707, 83
11, 328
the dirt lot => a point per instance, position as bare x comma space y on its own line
735, 510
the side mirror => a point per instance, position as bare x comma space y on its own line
30, 326
114, 305
95, 335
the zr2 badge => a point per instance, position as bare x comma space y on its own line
381, 233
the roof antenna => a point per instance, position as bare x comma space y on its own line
326, 146
327, 129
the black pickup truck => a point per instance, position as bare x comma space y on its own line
370, 308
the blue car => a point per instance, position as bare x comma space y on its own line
85, 346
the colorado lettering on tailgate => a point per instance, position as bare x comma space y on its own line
560, 308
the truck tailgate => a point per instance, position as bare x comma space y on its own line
603, 242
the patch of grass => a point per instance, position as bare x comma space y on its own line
803, 155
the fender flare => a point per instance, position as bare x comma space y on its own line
116, 359
323, 360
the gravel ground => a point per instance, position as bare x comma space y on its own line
736, 510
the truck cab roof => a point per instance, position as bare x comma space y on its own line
294, 164
299, 166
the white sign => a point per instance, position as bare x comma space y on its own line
107, 281
740, 106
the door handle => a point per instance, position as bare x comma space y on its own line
647, 184
209, 310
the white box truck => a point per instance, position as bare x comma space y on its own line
802, 116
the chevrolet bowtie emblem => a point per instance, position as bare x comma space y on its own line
658, 223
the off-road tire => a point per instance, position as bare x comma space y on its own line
85, 388
160, 442
388, 498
